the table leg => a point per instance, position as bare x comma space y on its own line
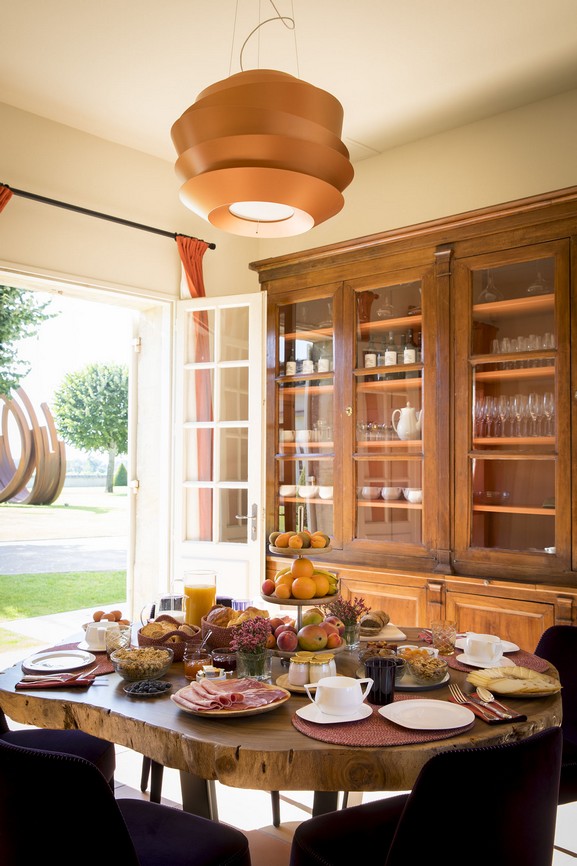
325, 801
198, 796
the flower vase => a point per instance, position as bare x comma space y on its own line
352, 636
257, 666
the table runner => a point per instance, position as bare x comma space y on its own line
373, 731
521, 659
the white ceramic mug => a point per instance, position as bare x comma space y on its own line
339, 696
483, 647
96, 636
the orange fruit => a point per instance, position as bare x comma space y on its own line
304, 587
302, 567
317, 541
282, 540
285, 578
295, 542
282, 591
322, 584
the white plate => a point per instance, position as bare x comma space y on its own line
508, 647
311, 713
84, 646
473, 663
57, 661
427, 715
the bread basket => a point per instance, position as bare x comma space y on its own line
175, 640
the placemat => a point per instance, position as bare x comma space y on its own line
521, 658
373, 731
103, 663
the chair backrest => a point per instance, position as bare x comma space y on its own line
4, 728
558, 645
52, 803
503, 796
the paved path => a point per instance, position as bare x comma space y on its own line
75, 554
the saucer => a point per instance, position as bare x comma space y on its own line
311, 713
84, 646
478, 663
508, 646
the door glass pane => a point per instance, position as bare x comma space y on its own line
198, 395
199, 454
199, 345
198, 514
234, 454
233, 394
232, 530
234, 327
513, 359
389, 379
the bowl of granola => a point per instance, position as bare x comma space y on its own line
142, 663
427, 670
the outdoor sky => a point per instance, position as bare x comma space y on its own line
82, 333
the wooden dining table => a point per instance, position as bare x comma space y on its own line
259, 752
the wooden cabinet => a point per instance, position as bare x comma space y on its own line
421, 413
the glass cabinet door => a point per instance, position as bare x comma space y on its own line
388, 458
305, 453
512, 394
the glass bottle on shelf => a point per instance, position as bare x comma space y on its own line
291, 364
370, 359
410, 354
324, 360
401, 355
308, 363
391, 355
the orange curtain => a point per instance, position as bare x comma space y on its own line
5, 196
191, 252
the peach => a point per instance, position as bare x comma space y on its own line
268, 587
287, 641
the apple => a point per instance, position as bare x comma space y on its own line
312, 637
312, 617
338, 622
287, 641
283, 628
268, 587
333, 641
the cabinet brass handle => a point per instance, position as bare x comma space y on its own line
349, 410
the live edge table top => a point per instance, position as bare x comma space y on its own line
261, 752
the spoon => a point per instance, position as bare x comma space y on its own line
486, 697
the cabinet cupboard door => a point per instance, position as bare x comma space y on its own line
406, 605
522, 622
512, 399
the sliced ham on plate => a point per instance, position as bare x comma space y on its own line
226, 695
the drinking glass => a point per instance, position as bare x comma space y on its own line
536, 413
200, 595
503, 410
444, 635
549, 411
491, 415
479, 417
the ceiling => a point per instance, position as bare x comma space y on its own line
125, 70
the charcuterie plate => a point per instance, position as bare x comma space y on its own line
233, 713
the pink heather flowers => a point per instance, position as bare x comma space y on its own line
251, 635
349, 612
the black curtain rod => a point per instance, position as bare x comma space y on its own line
101, 216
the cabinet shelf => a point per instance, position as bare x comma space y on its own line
516, 373
314, 335
515, 306
511, 509
389, 384
308, 501
386, 325
391, 503
514, 440
306, 389
390, 443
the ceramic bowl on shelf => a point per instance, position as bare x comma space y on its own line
391, 492
287, 490
326, 492
308, 491
370, 492
413, 494
287, 435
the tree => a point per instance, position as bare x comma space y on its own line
20, 316
91, 411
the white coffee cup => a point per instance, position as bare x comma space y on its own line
483, 647
339, 696
96, 635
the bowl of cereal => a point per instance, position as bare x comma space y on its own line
427, 670
142, 663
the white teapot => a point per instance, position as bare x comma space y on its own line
407, 422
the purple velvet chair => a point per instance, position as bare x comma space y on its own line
99, 752
59, 806
505, 795
558, 645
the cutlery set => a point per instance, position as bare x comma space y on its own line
490, 711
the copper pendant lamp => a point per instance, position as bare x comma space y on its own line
260, 155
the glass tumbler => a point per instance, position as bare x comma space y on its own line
444, 634
199, 594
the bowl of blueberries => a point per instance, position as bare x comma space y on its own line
147, 688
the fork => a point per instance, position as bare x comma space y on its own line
460, 698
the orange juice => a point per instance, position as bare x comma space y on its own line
199, 600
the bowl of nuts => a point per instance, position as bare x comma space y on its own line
142, 663
427, 670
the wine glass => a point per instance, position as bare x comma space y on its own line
503, 410
519, 408
536, 412
491, 414
549, 411
479, 417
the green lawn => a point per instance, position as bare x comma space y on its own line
27, 595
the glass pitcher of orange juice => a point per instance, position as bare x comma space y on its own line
199, 595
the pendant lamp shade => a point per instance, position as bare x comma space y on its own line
260, 154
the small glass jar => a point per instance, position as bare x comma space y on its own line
321, 667
194, 660
224, 658
298, 674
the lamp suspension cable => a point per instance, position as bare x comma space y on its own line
287, 21
103, 216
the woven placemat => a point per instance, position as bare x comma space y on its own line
521, 659
373, 731
104, 665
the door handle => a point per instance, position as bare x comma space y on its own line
252, 517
